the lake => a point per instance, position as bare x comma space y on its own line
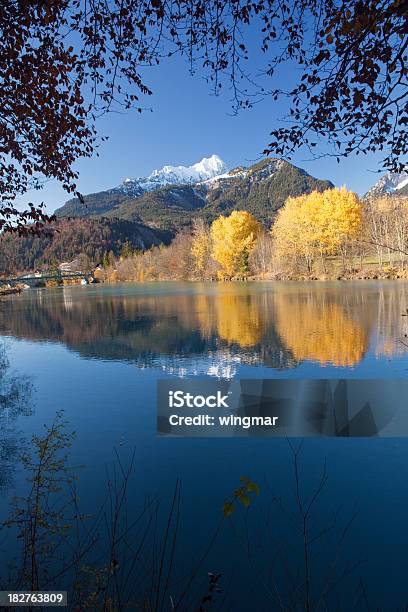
96, 352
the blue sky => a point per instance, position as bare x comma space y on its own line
185, 124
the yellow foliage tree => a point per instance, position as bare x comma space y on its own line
201, 246
233, 239
293, 234
340, 218
320, 223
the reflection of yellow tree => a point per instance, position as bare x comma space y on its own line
205, 311
319, 331
235, 318
239, 320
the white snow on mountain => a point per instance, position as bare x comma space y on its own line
207, 168
402, 182
389, 183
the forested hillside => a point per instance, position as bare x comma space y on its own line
96, 204
68, 238
170, 208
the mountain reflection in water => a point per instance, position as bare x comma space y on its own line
275, 325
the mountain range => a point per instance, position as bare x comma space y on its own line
171, 197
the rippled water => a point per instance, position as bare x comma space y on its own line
97, 351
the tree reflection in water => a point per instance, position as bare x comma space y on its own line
276, 325
15, 400
322, 331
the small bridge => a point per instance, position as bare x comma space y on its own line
35, 281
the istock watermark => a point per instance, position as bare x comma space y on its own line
276, 407
179, 399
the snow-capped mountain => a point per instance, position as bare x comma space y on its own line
170, 197
390, 183
207, 168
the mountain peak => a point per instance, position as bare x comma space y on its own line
211, 165
390, 183
205, 169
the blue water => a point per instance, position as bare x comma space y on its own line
96, 353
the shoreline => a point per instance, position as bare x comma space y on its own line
278, 278
301, 278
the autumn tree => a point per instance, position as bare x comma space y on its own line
317, 225
233, 239
261, 259
386, 224
293, 235
177, 260
339, 221
64, 63
201, 248
172, 262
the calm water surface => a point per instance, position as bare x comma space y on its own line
96, 352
